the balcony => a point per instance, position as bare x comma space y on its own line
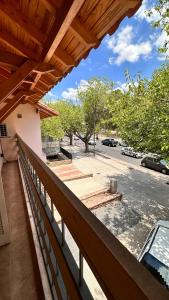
81, 257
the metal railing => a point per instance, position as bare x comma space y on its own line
118, 273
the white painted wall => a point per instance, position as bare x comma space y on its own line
27, 127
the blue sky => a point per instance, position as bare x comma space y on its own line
133, 47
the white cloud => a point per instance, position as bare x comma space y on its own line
50, 94
71, 93
124, 48
142, 15
159, 42
124, 87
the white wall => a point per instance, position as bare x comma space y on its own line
27, 127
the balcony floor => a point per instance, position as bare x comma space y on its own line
19, 273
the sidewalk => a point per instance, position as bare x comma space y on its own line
144, 200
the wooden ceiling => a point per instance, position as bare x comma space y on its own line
42, 40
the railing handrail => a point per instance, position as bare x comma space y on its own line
119, 274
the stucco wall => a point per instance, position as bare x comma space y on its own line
27, 127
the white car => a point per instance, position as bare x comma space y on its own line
91, 142
130, 152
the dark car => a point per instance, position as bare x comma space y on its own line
110, 142
155, 253
156, 163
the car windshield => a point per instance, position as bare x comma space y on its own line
160, 245
157, 268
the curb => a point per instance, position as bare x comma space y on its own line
130, 166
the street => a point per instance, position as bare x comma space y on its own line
111, 151
116, 153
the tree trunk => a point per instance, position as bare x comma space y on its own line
71, 139
86, 147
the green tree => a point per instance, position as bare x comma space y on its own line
67, 123
162, 9
142, 114
94, 100
52, 127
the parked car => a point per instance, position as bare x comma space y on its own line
110, 142
91, 142
156, 163
122, 143
130, 152
155, 253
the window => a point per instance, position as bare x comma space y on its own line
3, 130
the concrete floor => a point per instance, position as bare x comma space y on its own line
19, 273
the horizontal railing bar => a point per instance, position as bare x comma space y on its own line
116, 270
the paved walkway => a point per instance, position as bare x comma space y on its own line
67, 172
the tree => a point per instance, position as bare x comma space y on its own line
52, 127
142, 114
162, 10
67, 123
70, 117
94, 99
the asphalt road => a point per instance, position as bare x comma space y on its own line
116, 153
111, 151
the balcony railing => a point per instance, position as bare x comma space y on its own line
118, 273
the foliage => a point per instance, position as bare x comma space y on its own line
70, 117
94, 100
162, 9
142, 114
67, 123
52, 127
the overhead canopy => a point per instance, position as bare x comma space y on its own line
42, 40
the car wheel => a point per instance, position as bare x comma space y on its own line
143, 164
122, 153
164, 171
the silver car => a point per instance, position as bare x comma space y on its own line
155, 253
130, 152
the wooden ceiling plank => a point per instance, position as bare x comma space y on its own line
18, 46
12, 104
10, 85
52, 5
4, 73
84, 35
64, 57
11, 59
18, 18
60, 27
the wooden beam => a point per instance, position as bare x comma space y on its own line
52, 5
61, 25
64, 57
10, 85
17, 17
83, 34
44, 68
13, 103
18, 46
8, 58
